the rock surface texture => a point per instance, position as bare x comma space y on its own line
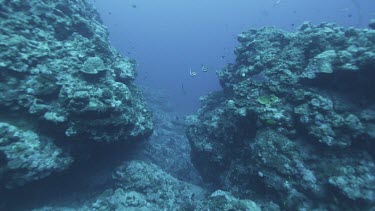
295, 121
61, 85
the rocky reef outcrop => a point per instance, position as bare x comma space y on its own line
295, 122
144, 186
61, 86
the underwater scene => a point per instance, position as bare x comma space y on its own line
189, 105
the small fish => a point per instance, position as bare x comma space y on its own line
192, 73
204, 68
277, 3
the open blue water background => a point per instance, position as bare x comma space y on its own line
168, 37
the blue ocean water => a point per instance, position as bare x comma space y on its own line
169, 37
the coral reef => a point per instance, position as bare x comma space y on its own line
61, 85
221, 200
294, 123
27, 156
157, 186
144, 186
168, 146
158, 174
292, 129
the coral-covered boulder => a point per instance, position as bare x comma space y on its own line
295, 120
27, 156
61, 80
